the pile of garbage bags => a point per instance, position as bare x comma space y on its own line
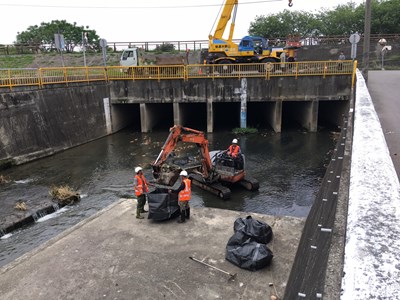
247, 248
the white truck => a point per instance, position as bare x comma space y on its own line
130, 57
133, 57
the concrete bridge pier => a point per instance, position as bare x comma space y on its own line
310, 118
177, 114
210, 115
275, 116
305, 113
144, 118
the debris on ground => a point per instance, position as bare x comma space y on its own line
20, 205
64, 195
4, 179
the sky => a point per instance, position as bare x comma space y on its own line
140, 20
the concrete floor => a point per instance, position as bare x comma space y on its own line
113, 255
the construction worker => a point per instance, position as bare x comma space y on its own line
184, 193
234, 149
141, 188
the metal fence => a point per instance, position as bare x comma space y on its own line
10, 78
8, 49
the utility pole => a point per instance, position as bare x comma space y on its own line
367, 37
84, 39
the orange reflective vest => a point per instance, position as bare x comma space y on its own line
233, 150
141, 185
184, 195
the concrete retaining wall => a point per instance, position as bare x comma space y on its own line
38, 123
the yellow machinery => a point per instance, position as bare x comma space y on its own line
251, 49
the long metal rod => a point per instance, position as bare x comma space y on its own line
206, 264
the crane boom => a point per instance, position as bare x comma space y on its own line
229, 6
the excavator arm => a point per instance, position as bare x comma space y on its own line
186, 135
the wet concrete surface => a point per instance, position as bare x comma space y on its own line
113, 255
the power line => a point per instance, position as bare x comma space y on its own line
128, 7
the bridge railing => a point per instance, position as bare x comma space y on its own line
10, 78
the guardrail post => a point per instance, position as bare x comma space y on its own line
9, 79
353, 76
185, 73
65, 76
40, 77
87, 73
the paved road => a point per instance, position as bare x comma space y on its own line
384, 88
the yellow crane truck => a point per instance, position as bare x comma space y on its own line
251, 49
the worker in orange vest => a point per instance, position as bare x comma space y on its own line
141, 188
184, 194
234, 149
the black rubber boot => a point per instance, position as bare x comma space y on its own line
138, 216
188, 213
182, 219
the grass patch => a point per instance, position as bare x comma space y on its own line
16, 61
248, 130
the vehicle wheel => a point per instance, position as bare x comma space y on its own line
268, 64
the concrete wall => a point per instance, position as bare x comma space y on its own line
228, 89
38, 123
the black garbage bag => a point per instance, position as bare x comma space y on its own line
257, 230
247, 247
249, 254
162, 205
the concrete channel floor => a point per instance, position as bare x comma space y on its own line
113, 255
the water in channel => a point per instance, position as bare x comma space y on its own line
289, 167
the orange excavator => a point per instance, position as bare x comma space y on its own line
214, 171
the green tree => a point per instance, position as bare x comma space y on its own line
385, 16
283, 24
44, 35
342, 20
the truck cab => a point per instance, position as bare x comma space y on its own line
129, 57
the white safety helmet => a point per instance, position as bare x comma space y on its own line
183, 173
235, 141
137, 169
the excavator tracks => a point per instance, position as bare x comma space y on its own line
249, 183
214, 188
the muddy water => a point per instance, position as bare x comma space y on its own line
289, 167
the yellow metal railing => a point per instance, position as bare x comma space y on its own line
44, 76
